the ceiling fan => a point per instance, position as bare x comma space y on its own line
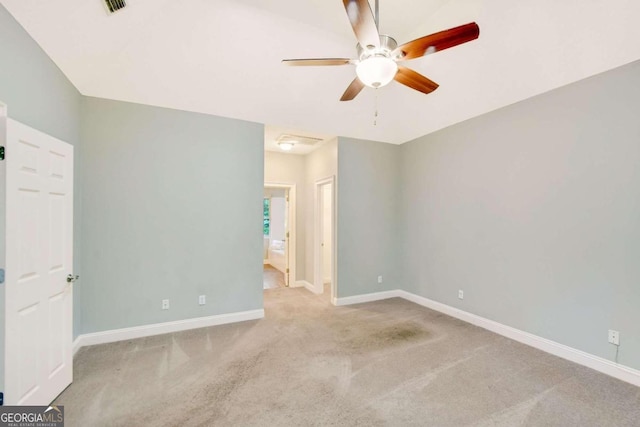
378, 54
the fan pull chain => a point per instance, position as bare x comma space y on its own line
375, 114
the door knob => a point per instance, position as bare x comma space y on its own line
71, 278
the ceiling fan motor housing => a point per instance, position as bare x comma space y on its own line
387, 46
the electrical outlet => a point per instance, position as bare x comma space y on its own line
379, 279
614, 337
202, 299
461, 294
165, 304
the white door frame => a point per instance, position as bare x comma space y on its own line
3, 198
318, 278
291, 222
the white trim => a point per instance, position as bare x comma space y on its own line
77, 344
318, 262
3, 232
265, 261
359, 299
163, 328
580, 357
308, 286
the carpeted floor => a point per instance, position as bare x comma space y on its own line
309, 363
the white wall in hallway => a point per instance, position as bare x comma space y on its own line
290, 169
277, 212
303, 171
321, 163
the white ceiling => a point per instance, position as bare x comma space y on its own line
223, 57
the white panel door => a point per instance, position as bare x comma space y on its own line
38, 353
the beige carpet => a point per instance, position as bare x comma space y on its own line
309, 363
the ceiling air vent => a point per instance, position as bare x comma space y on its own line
114, 5
298, 139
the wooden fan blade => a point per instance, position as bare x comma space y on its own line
317, 61
438, 41
415, 80
353, 90
362, 21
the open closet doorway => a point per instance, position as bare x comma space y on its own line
325, 237
279, 235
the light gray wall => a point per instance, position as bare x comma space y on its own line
172, 209
534, 211
368, 197
319, 164
38, 95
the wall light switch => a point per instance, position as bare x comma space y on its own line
461, 294
165, 304
202, 299
379, 279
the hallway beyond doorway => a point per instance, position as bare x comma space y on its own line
272, 278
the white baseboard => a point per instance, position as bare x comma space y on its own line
580, 357
163, 328
265, 261
309, 286
358, 299
76, 345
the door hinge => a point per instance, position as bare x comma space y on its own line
287, 234
1, 275
1, 153
287, 271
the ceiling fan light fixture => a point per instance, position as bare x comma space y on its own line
376, 65
285, 146
376, 71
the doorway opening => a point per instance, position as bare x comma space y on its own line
325, 238
279, 235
